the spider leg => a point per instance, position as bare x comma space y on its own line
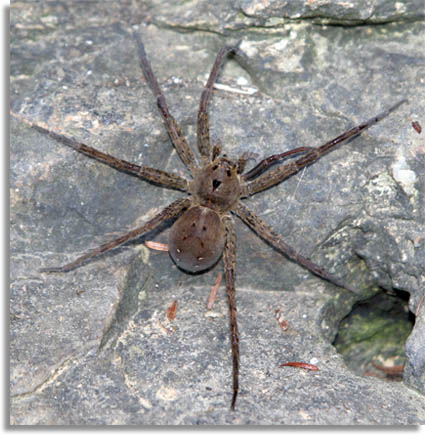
182, 147
216, 150
156, 176
267, 233
243, 160
278, 175
203, 131
229, 259
267, 162
169, 212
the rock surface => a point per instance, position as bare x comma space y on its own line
94, 346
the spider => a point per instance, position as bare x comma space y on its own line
204, 229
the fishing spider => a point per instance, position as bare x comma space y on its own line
205, 229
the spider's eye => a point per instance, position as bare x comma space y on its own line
228, 173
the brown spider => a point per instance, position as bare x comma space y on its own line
205, 229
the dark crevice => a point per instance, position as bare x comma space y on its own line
315, 20
372, 337
138, 278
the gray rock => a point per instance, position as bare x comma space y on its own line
93, 346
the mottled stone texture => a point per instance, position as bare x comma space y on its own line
93, 346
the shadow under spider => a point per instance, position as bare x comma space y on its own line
204, 231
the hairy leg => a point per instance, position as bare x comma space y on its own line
169, 212
182, 147
156, 176
229, 258
203, 131
267, 162
243, 160
270, 236
216, 149
276, 176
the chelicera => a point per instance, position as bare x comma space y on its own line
204, 229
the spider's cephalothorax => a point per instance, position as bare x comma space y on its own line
205, 229
217, 185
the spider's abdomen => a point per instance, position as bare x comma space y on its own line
197, 239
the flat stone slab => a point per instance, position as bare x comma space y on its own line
94, 346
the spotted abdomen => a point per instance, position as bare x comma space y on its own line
197, 239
